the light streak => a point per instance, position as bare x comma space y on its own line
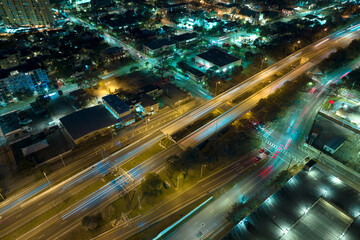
322, 42
305, 110
277, 151
288, 143
26, 196
98, 194
344, 75
320, 93
181, 219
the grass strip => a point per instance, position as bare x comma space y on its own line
152, 151
55, 210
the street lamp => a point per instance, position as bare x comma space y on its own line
262, 63
216, 87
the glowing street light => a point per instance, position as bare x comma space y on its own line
216, 87
262, 63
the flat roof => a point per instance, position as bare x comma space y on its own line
191, 69
83, 122
295, 211
185, 36
335, 142
116, 103
23, 68
218, 57
147, 101
9, 123
322, 221
159, 43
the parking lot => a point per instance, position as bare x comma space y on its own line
296, 210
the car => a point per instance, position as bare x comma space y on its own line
261, 150
256, 159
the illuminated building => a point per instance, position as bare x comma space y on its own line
29, 76
217, 58
34, 13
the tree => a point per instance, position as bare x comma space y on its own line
162, 68
133, 69
89, 79
90, 223
151, 184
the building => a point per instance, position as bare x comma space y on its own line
12, 57
250, 16
217, 58
26, 13
11, 128
114, 53
147, 105
157, 46
98, 4
209, 23
185, 39
88, 123
117, 21
22, 78
226, 8
119, 109
193, 73
77, 94
153, 91
334, 144
143, 104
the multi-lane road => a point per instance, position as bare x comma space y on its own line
284, 141
317, 50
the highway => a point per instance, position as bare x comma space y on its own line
191, 140
17, 210
343, 38
284, 139
105, 195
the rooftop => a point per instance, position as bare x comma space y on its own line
9, 123
113, 50
23, 68
322, 221
116, 103
218, 57
77, 93
335, 142
150, 88
248, 12
191, 69
83, 122
311, 205
185, 36
147, 101
159, 43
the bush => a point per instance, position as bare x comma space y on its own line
151, 184
90, 223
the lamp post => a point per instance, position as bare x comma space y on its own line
262, 63
216, 84
47, 178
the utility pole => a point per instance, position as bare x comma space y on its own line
139, 200
47, 178
62, 159
201, 171
177, 182
289, 163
